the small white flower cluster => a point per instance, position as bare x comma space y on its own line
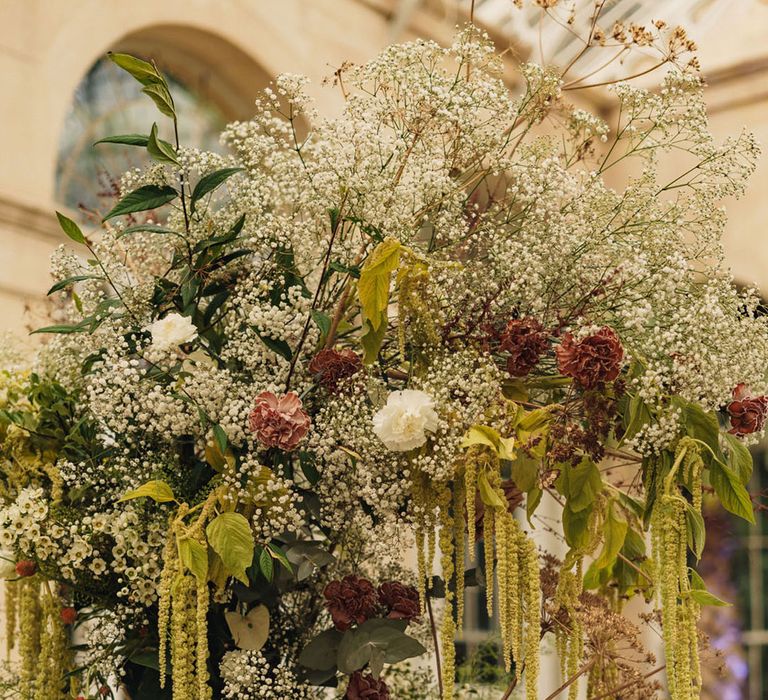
247, 675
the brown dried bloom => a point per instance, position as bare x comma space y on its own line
329, 367
400, 601
366, 687
593, 360
352, 600
747, 413
525, 340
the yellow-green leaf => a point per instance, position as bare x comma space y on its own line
156, 490
230, 536
375, 276
485, 435
700, 593
194, 556
615, 531
373, 337
487, 494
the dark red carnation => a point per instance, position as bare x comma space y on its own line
593, 360
366, 687
68, 616
329, 367
351, 600
400, 601
525, 341
26, 567
748, 413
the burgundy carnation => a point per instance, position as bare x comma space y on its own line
525, 341
26, 567
748, 413
366, 687
279, 422
329, 367
401, 601
351, 600
593, 360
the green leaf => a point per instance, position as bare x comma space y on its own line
266, 565
357, 645
160, 150
71, 280
230, 536
150, 228
126, 140
731, 491
221, 438
372, 338
160, 95
322, 321
156, 490
143, 199
488, 495
321, 652
575, 526
532, 500
703, 426
700, 593
696, 531
580, 484
194, 556
277, 345
373, 288
525, 471
210, 182
279, 554
78, 328
485, 435
70, 228
638, 414
739, 458
615, 532
142, 71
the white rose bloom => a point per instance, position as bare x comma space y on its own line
172, 330
403, 423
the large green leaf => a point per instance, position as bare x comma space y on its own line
126, 140
321, 652
143, 199
731, 491
208, 183
160, 150
739, 458
359, 646
160, 95
373, 337
230, 536
194, 556
70, 228
142, 71
373, 288
580, 484
156, 490
614, 533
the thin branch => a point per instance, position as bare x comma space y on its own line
584, 669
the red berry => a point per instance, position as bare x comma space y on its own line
26, 567
68, 615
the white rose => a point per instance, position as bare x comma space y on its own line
7, 564
403, 423
172, 330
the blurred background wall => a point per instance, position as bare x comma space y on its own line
59, 96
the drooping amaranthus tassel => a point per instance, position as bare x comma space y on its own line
11, 607
448, 626
29, 641
51, 663
459, 525
680, 612
183, 637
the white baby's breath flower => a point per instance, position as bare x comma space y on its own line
172, 330
403, 423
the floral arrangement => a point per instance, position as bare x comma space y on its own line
427, 325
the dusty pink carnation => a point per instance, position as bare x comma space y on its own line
279, 422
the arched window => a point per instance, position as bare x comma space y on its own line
108, 101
